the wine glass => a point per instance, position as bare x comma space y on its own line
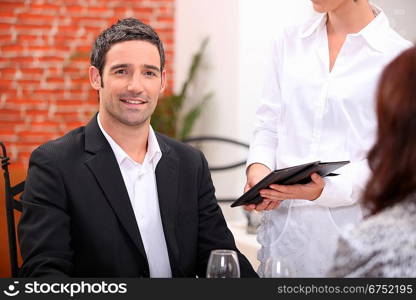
277, 266
223, 264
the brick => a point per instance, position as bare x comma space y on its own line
8, 137
27, 81
23, 160
8, 127
45, 48
6, 14
31, 28
4, 83
32, 71
83, 80
55, 80
44, 6
72, 103
4, 26
22, 59
168, 20
25, 16
27, 38
40, 20
44, 129
7, 71
143, 11
11, 7
11, 116
85, 49
165, 10
35, 138
36, 113
11, 48
74, 9
28, 101
25, 147
50, 59
68, 117
42, 12
73, 125
6, 38
8, 94
80, 58
69, 70
10, 107
97, 10
120, 11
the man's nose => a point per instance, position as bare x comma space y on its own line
135, 84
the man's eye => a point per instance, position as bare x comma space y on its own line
121, 71
149, 73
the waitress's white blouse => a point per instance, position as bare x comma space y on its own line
308, 113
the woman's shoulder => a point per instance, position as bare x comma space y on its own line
383, 245
394, 42
387, 39
388, 220
304, 28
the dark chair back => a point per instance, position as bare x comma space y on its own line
12, 204
196, 141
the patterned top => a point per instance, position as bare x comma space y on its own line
384, 245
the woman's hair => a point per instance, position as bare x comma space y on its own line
393, 157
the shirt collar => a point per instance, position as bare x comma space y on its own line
372, 33
153, 153
314, 25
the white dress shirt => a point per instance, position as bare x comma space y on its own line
309, 113
140, 181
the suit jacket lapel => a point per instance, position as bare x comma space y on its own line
167, 173
104, 166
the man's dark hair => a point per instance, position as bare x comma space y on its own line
125, 30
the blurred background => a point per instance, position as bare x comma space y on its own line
44, 88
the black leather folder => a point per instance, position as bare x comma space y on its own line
293, 175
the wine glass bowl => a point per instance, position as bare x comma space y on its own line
278, 267
223, 263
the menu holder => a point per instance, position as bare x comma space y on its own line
300, 174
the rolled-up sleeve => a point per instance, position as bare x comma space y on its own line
346, 188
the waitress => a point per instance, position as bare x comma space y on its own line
318, 104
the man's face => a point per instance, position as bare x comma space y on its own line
132, 82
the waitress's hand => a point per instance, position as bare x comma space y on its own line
255, 173
273, 197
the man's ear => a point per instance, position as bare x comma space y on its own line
163, 81
95, 78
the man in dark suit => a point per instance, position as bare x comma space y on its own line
114, 198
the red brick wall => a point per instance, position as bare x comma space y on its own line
44, 58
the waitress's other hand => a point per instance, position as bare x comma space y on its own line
277, 193
309, 191
255, 173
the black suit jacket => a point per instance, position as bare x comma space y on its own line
78, 221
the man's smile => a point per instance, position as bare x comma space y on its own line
133, 101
